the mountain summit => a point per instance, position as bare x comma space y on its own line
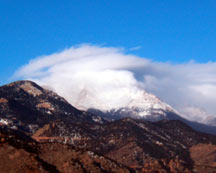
138, 104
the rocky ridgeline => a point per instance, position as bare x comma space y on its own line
26, 106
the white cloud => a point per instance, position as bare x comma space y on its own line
135, 48
110, 75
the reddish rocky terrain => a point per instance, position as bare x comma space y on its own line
166, 145
19, 153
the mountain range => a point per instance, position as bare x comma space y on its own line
135, 103
41, 131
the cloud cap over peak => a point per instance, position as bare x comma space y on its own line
109, 77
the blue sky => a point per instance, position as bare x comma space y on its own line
175, 31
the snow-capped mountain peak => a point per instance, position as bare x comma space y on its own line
147, 103
136, 103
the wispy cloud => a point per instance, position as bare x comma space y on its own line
110, 74
135, 48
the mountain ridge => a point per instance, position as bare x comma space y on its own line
49, 123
